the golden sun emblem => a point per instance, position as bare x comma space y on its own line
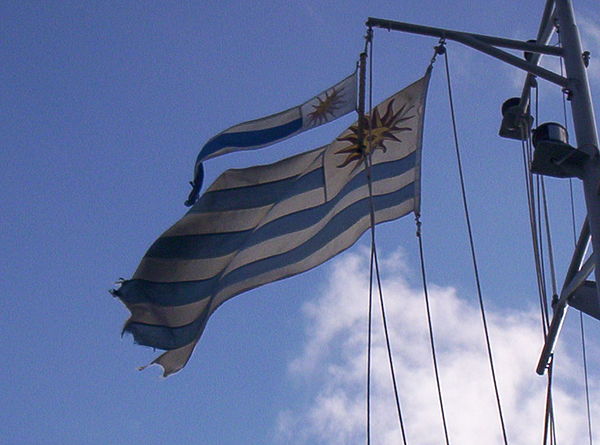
326, 107
377, 130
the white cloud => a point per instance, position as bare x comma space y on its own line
590, 37
331, 368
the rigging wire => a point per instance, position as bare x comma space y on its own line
549, 415
529, 185
361, 131
585, 373
573, 224
369, 346
440, 49
374, 263
548, 238
473, 255
385, 328
539, 251
540, 195
430, 326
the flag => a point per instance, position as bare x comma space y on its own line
260, 224
331, 104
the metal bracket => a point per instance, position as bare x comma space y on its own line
575, 291
585, 299
558, 160
485, 44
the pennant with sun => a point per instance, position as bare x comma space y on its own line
326, 107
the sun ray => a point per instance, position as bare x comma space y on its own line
377, 130
326, 107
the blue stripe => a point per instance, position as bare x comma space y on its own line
257, 195
179, 293
247, 139
213, 245
163, 337
197, 246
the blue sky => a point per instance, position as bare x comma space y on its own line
105, 106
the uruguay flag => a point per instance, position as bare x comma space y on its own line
331, 104
261, 224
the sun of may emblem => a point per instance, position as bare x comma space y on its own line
326, 107
377, 130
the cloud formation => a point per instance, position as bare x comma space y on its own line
590, 37
330, 370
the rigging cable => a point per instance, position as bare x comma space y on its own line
430, 326
538, 251
473, 255
549, 239
440, 49
585, 373
374, 263
539, 193
537, 244
581, 326
529, 185
534, 238
361, 134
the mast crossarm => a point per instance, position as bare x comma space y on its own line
484, 44
452, 34
575, 287
545, 31
560, 311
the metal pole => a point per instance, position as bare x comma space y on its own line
543, 37
587, 141
484, 44
453, 34
584, 121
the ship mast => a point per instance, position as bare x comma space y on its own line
553, 157
577, 290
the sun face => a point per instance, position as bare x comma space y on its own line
326, 107
377, 130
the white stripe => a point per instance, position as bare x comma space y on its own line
172, 361
244, 219
175, 316
302, 163
170, 270
337, 245
174, 269
289, 241
172, 316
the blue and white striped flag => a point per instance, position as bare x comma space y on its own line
257, 225
331, 104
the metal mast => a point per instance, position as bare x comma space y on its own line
577, 290
582, 161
